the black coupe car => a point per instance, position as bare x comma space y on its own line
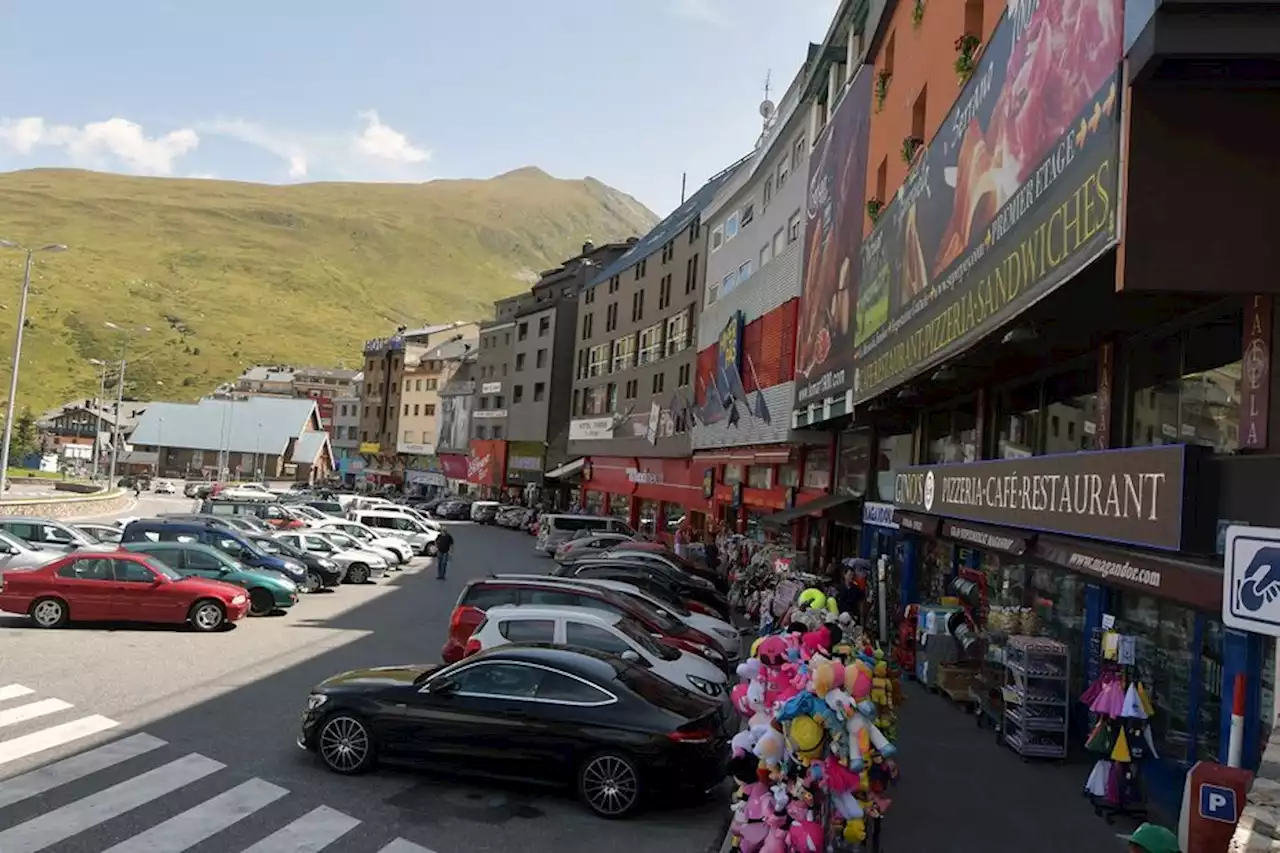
534, 713
321, 573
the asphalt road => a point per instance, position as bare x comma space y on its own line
199, 734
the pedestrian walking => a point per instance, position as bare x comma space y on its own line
444, 545
682, 540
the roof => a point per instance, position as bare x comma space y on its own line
268, 373
252, 425
308, 447
451, 349
129, 411
434, 329
668, 228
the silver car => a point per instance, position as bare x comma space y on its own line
107, 534
361, 566
17, 554
48, 534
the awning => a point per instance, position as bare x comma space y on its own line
826, 502
775, 455
568, 469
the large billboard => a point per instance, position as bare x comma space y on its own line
833, 241
453, 423
1016, 193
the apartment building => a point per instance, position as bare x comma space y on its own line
633, 369
382, 390
345, 432
493, 365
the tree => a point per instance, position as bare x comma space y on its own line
25, 439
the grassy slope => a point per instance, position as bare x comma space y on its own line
230, 274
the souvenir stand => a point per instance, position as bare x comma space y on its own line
1120, 711
769, 583
815, 761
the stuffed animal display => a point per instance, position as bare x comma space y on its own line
815, 759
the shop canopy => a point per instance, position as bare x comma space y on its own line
568, 469
822, 504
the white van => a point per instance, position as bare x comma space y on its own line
413, 531
554, 529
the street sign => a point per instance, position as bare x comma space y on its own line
1218, 803
1251, 580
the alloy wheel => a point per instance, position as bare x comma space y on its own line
207, 616
48, 613
610, 785
313, 583
358, 573
344, 744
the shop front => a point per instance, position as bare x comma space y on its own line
654, 496
751, 488
1077, 549
524, 471
487, 467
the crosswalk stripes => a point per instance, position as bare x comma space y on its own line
313, 832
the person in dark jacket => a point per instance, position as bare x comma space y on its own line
850, 597
444, 545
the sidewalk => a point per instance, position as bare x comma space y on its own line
961, 793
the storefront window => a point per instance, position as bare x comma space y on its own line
1071, 410
817, 468
595, 503
1057, 598
732, 475
952, 434
620, 507
893, 454
1207, 733
1189, 387
760, 477
1006, 581
1163, 632
788, 475
755, 530
854, 463
939, 556
648, 517
1019, 420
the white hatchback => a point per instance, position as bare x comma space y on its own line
612, 633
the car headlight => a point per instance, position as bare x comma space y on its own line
328, 564
315, 700
708, 652
728, 633
239, 599
708, 687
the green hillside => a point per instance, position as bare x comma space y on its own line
231, 274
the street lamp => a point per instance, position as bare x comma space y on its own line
100, 401
159, 446
125, 332
17, 351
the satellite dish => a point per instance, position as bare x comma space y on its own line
767, 109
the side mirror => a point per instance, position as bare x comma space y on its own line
159, 581
442, 687
630, 656
6, 548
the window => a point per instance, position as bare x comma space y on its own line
744, 272
973, 18
557, 687
433, 384
499, 680
544, 326
731, 227
637, 306
539, 391
683, 375
766, 253
540, 358
611, 397
651, 344
678, 328
732, 474
691, 275
640, 269
632, 389
664, 292
624, 353
586, 326
784, 168
581, 372
408, 437
416, 407
729, 282
1071, 404
717, 238
577, 402
406, 410
594, 401
658, 380
614, 284
611, 317
517, 394
779, 242
522, 331
87, 570
127, 571
1018, 421
919, 113
760, 476
528, 630
748, 214
590, 297
429, 409
484, 402
768, 190
481, 431
598, 360
594, 637
797, 153
519, 362
498, 402
882, 178
817, 468
793, 228
889, 50
407, 384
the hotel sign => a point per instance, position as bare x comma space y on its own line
1135, 496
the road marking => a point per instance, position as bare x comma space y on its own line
31, 710
48, 829
399, 846
17, 748
47, 778
13, 691
311, 833
188, 829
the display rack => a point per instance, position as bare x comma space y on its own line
1036, 697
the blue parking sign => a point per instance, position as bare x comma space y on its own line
1218, 803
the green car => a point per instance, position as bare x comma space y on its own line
267, 590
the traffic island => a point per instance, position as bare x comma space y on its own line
76, 503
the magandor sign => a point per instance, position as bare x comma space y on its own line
1135, 496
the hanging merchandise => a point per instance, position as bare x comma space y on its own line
1120, 737
815, 761
766, 581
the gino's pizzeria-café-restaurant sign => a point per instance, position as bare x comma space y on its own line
1134, 496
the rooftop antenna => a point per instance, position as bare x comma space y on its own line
768, 110
684, 185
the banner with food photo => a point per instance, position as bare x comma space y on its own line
1016, 193
833, 239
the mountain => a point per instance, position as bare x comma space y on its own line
229, 274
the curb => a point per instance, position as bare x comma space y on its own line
82, 506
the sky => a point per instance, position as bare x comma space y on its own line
631, 92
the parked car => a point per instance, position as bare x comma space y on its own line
346, 542
693, 591
608, 727
360, 565
245, 491
307, 514
268, 591
17, 553
233, 543
107, 534
555, 528
421, 535
652, 553
454, 510
49, 534
590, 543
322, 573
271, 513
332, 509
611, 633
165, 487
119, 586
484, 512
479, 595
402, 550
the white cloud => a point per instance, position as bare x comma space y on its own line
714, 12
384, 142
116, 142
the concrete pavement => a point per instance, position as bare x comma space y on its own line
226, 707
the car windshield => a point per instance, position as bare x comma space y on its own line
342, 540
658, 691
308, 512
14, 542
667, 600
642, 638
271, 546
160, 568
665, 622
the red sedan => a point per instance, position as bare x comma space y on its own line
119, 586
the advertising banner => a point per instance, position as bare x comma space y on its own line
453, 423
486, 465
833, 239
1016, 193
725, 390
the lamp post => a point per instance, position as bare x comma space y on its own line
159, 446
257, 453
17, 351
100, 402
115, 430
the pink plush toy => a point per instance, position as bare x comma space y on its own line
805, 836
775, 841
751, 837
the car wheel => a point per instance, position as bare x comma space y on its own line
49, 612
207, 616
261, 602
358, 573
313, 582
345, 745
609, 784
